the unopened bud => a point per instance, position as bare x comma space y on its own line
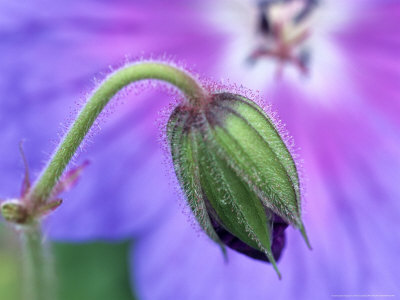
237, 173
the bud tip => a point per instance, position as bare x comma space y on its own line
304, 234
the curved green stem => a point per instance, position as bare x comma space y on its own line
111, 85
37, 266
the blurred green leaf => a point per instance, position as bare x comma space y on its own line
86, 271
93, 271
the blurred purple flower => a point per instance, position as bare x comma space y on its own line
344, 116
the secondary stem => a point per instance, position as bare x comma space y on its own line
37, 266
114, 83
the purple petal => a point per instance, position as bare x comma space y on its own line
233, 242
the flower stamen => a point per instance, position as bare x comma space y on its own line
284, 30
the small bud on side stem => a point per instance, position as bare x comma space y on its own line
14, 211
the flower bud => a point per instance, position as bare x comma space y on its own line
237, 174
14, 211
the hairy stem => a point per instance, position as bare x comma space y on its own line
111, 85
37, 266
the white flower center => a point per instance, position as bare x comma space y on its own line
283, 40
283, 29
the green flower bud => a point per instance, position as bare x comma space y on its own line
236, 172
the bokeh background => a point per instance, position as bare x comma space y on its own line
123, 232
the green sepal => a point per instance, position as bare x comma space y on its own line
259, 155
237, 207
184, 156
255, 161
